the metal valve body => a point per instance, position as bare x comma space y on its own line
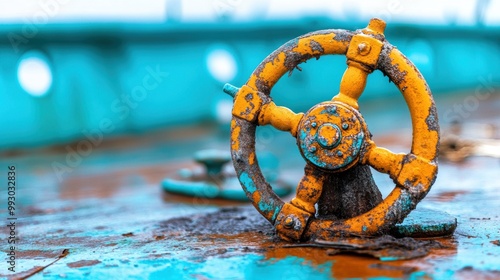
337, 195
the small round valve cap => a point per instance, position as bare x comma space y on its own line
377, 26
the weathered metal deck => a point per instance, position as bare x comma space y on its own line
109, 218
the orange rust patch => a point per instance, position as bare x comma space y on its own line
178, 198
251, 158
83, 263
256, 197
343, 265
419, 100
273, 70
447, 196
235, 134
247, 238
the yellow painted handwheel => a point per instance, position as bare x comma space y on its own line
333, 137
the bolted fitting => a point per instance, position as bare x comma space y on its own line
364, 49
289, 222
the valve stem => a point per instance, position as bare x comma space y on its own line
230, 89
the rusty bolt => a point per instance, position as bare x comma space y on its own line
314, 124
312, 149
328, 135
363, 49
289, 222
340, 154
345, 126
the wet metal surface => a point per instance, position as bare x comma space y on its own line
117, 222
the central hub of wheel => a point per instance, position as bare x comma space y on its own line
330, 136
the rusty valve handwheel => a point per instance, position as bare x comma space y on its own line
332, 136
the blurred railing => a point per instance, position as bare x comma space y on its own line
64, 82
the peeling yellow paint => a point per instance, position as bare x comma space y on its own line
251, 158
413, 173
235, 134
280, 118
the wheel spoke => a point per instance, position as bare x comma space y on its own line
352, 85
309, 189
280, 118
383, 160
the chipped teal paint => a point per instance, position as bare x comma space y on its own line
276, 212
330, 110
230, 89
406, 202
417, 275
303, 134
265, 206
416, 228
311, 156
198, 189
389, 259
321, 139
247, 182
201, 189
426, 222
249, 266
365, 228
359, 141
207, 190
305, 148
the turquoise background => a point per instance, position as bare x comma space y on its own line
95, 67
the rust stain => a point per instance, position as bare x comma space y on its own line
35, 210
38, 254
342, 267
159, 237
25, 274
83, 263
447, 196
178, 198
105, 185
36, 269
